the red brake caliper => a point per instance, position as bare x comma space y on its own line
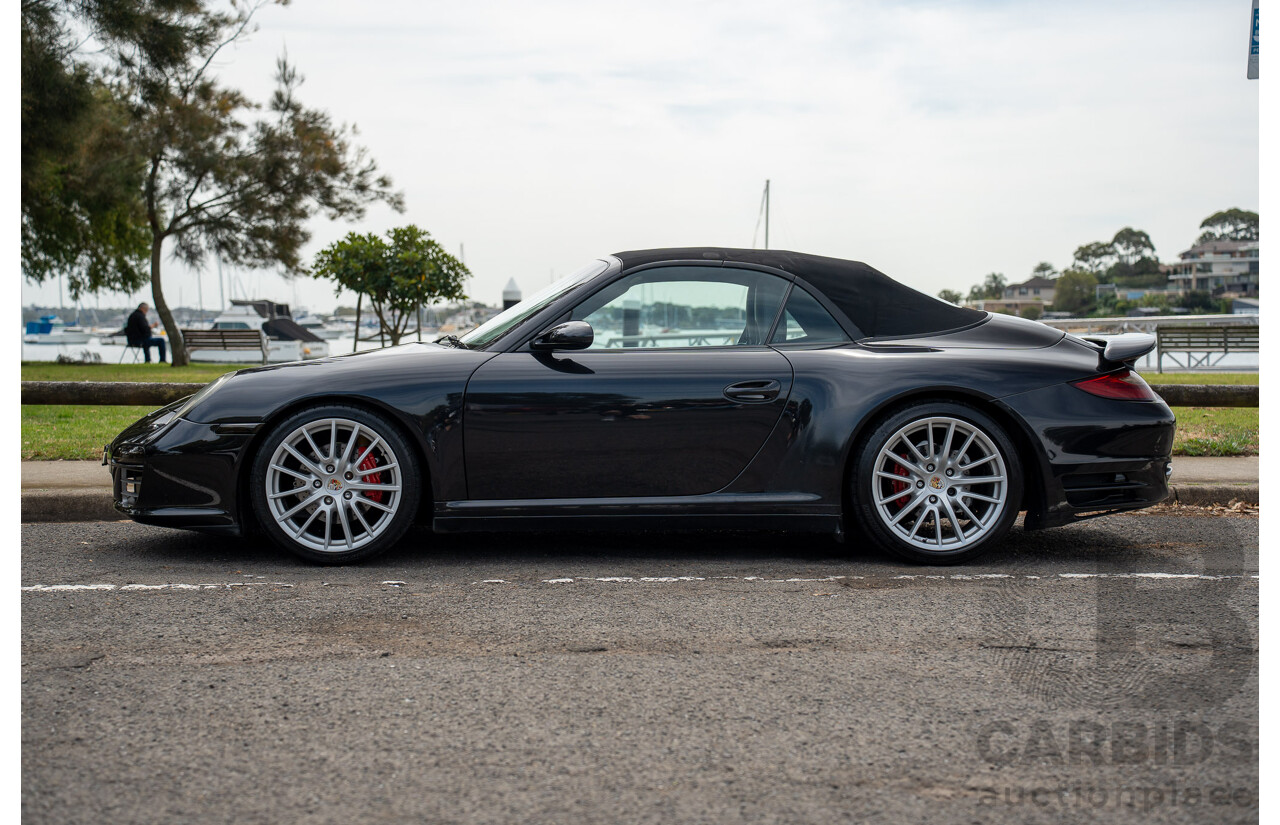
900, 486
376, 478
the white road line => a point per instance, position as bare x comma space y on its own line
964, 577
63, 588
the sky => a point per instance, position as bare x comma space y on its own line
935, 141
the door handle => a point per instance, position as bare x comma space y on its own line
753, 392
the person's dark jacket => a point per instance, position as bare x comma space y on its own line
138, 329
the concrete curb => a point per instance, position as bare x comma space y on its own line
83, 504
94, 504
1207, 495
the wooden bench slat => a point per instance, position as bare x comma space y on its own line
227, 339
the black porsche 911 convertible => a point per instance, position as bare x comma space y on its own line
672, 388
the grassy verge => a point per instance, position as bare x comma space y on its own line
1237, 378
73, 433
1220, 431
192, 373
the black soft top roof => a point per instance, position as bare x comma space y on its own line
879, 306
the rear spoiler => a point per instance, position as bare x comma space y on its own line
1126, 347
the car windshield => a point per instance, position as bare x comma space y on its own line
510, 318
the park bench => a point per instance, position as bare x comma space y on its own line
226, 339
1202, 347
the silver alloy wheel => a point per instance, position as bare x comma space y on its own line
333, 485
940, 484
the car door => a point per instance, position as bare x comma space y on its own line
675, 396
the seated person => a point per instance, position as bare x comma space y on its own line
138, 333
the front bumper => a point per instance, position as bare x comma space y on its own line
177, 473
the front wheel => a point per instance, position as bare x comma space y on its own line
335, 484
937, 483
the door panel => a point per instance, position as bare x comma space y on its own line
622, 422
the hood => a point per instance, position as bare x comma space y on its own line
395, 377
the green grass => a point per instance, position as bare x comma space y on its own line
1238, 378
72, 433
193, 373
1218, 431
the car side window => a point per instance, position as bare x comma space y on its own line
690, 306
806, 321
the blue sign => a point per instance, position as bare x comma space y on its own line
1252, 73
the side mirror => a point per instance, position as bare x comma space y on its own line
569, 335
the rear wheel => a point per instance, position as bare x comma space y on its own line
335, 484
937, 483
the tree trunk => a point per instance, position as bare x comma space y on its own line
355, 345
177, 349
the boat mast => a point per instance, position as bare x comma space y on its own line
222, 293
766, 213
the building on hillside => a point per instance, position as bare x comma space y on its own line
1219, 267
1037, 289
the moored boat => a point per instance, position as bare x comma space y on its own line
51, 329
287, 341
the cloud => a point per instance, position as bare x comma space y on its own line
936, 141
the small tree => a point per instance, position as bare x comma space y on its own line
1033, 312
1075, 291
991, 287
396, 277
1044, 269
951, 296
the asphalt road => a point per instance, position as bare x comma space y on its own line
1102, 672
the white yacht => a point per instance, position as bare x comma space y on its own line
286, 340
318, 327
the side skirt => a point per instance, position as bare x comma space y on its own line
655, 522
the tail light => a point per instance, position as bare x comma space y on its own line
1125, 385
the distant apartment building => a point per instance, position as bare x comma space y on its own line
1217, 267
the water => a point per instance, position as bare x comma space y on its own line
110, 353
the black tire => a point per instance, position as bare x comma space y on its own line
954, 500
335, 484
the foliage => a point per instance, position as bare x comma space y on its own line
217, 178
951, 296
1131, 244
1094, 257
396, 277
991, 287
81, 218
1075, 291
1033, 312
1230, 225
1128, 260
1044, 269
